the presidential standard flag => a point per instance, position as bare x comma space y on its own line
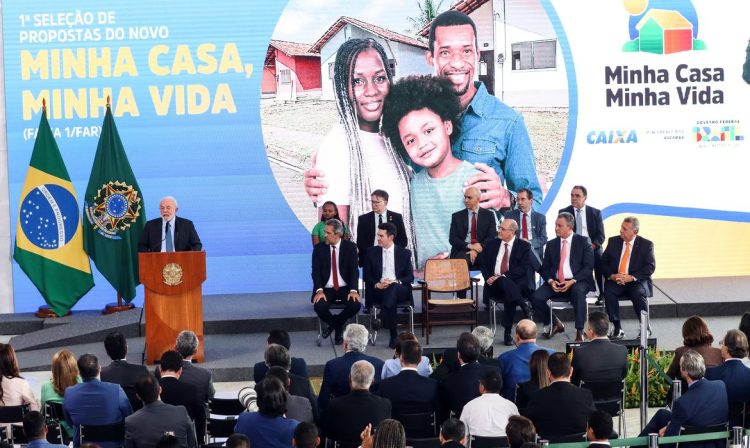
114, 213
49, 241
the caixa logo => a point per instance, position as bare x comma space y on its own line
717, 134
606, 137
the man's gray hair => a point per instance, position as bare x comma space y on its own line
187, 343
277, 355
337, 226
634, 221
362, 373
511, 223
692, 363
355, 337
568, 217
485, 336
168, 198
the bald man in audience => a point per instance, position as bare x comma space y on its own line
514, 364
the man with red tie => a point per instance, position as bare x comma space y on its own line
627, 264
335, 279
471, 229
567, 271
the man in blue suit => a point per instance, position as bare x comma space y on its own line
514, 364
532, 225
336, 371
388, 274
703, 404
588, 222
94, 402
410, 392
566, 271
733, 373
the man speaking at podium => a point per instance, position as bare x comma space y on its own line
169, 233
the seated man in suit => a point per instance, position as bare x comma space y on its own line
471, 229
588, 223
179, 393
487, 415
346, 416
280, 337
627, 265
169, 233
388, 274
278, 356
704, 403
734, 374
187, 346
514, 364
450, 362
600, 359
452, 434
146, 426
367, 225
335, 279
566, 271
120, 371
336, 372
532, 225
507, 268
408, 391
599, 429
561, 408
94, 402
297, 408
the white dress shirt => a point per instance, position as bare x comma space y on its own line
581, 224
501, 254
389, 264
567, 272
487, 415
342, 283
164, 234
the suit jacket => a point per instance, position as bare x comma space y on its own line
373, 268
520, 263
347, 268
410, 393
600, 360
125, 374
546, 405
347, 416
594, 223
178, 393
462, 386
336, 376
642, 261
198, 377
299, 408
736, 378
704, 403
486, 230
537, 230
144, 428
94, 402
581, 260
185, 236
300, 387
366, 232
514, 365
299, 367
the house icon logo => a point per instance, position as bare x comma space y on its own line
662, 26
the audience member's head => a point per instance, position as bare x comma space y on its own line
559, 366
116, 345
468, 348
171, 361
168, 441
745, 324
34, 425
361, 375
411, 353
355, 338
734, 345
599, 426
271, 397
598, 325
280, 337
8, 362
389, 434
486, 339
64, 371
277, 355
403, 337
237, 440
519, 430
88, 366
306, 435
525, 331
538, 367
453, 429
280, 373
692, 366
695, 332
147, 388
187, 344
491, 383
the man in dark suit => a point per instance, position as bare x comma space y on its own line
409, 392
388, 274
144, 428
347, 416
335, 278
566, 271
471, 229
600, 359
120, 371
297, 408
169, 233
278, 356
280, 337
592, 227
508, 273
599, 429
179, 393
532, 225
734, 374
187, 346
561, 408
704, 403
627, 265
367, 225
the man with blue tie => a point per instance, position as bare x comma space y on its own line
532, 225
169, 233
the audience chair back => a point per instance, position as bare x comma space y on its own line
113, 432
488, 442
448, 276
222, 419
56, 433
690, 430
609, 396
418, 426
14, 414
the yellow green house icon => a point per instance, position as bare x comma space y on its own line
663, 31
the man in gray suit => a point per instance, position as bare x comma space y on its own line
187, 346
532, 225
149, 424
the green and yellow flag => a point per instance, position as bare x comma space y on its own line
49, 240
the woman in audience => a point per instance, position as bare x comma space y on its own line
328, 211
695, 336
539, 378
745, 328
14, 390
268, 427
64, 375
393, 366
390, 434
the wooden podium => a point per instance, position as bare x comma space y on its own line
173, 300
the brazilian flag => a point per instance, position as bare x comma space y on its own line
49, 240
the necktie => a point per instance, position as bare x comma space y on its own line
624, 261
380, 219
579, 223
525, 227
504, 263
334, 269
473, 227
168, 238
563, 256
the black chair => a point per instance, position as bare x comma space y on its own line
225, 406
609, 396
488, 442
55, 432
567, 438
222, 419
418, 426
14, 414
334, 307
431, 442
691, 430
113, 432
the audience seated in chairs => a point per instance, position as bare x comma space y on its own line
601, 360
120, 371
179, 393
392, 367
268, 427
539, 378
452, 434
187, 346
14, 390
734, 374
695, 336
280, 337
64, 375
35, 429
305, 436
599, 429
297, 408
389, 434
519, 431
278, 356
487, 415
409, 392
514, 364
450, 362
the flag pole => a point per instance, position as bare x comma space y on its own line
112, 308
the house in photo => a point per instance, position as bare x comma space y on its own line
290, 69
406, 55
663, 32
